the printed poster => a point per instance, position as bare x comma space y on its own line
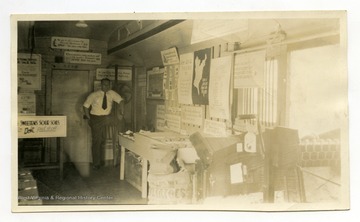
219, 90
249, 69
185, 78
201, 77
29, 71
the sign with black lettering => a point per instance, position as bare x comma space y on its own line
41, 126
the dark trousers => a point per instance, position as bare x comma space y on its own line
98, 126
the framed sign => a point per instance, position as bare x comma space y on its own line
155, 83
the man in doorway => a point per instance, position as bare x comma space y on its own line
97, 108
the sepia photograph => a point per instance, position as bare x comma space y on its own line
215, 111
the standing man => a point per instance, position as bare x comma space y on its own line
97, 109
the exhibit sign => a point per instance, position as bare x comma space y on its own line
82, 58
170, 56
41, 126
29, 71
70, 43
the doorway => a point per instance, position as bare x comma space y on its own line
69, 89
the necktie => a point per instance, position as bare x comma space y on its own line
104, 104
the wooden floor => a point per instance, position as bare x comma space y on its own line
103, 186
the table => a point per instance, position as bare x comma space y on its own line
141, 145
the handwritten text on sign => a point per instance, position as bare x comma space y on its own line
41, 126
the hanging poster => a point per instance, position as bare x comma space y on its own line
41, 126
249, 69
70, 43
27, 104
219, 90
29, 71
170, 56
185, 78
201, 77
82, 57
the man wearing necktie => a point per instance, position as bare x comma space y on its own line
97, 108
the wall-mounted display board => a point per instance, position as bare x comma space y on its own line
155, 83
185, 78
41, 126
29, 71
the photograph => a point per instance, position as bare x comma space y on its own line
205, 111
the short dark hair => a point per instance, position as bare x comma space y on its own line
105, 80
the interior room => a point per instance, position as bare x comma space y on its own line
242, 110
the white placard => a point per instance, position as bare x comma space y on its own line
192, 115
219, 88
29, 71
185, 78
70, 43
82, 57
215, 128
27, 104
124, 74
249, 69
170, 56
41, 126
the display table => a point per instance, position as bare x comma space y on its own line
141, 144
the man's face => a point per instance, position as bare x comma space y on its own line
105, 86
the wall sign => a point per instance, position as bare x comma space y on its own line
41, 126
124, 74
155, 83
170, 56
70, 43
82, 57
29, 71
27, 104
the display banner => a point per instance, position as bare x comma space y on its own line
70, 43
82, 58
41, 126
